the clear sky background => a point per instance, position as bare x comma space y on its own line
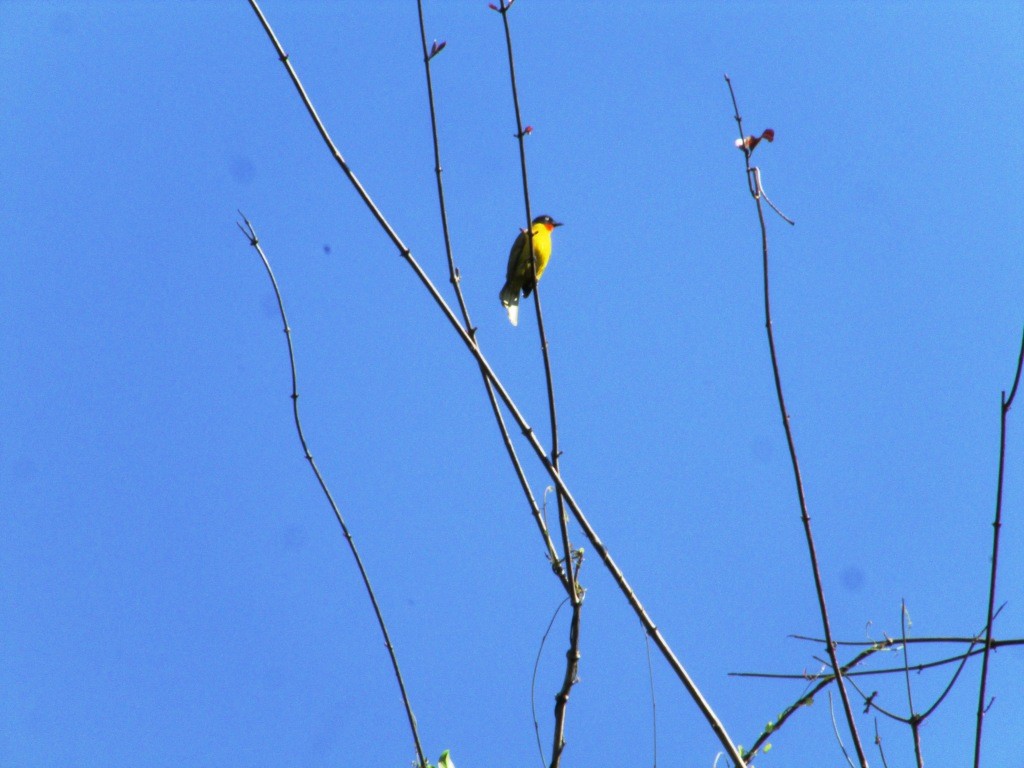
173, 588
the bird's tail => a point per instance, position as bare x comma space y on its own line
510, 301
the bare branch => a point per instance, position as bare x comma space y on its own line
754, 185
250, 233
454, 278
997, 524
533, 680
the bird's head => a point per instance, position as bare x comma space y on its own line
548, 222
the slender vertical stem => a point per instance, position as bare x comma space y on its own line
754, 184
997, 523
250, 233
913, 719
455, 279
572, 656
878, 742
552, 410
654, 704
906, 658
915, 730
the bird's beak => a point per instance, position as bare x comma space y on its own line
557, 224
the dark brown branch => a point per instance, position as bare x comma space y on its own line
906, 659
588, 530
949, 687
871, 702
533, 680
878, 743
250, 233
572, 655
997, 524
885, 670
889, 641
753, 183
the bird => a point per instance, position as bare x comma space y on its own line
523, 272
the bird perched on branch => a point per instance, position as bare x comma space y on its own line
523, 272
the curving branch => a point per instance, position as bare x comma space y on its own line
254, 241
595, 541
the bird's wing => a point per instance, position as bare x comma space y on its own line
515, 271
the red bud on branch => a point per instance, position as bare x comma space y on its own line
749, 142
436, 48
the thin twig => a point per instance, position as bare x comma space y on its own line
588, 530
455, 277
906, 658
760, 186
878, 742
654, 702
572, 655
963, 662
890, 642
884, 671
250, 233
533, 680
871, 702
753, 181
835, 730
997, 524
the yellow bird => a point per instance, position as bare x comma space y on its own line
521, 273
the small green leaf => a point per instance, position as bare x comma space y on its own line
767, 747
445, 761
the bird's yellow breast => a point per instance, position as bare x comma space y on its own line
541, 246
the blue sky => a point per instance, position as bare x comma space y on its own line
176, 592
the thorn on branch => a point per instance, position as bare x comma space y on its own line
869, 701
